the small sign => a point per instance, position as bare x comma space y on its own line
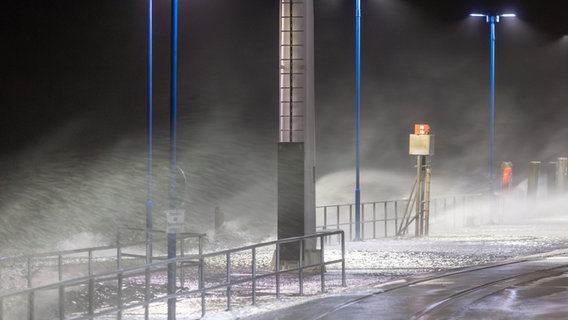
421, 129
175, 221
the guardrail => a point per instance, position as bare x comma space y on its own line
381, 219
140, 287
28, 271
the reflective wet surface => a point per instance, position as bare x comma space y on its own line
534, 289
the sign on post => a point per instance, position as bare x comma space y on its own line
175, 221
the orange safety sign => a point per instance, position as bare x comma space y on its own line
421, 129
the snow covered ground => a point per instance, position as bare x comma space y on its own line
378, 261
372, 262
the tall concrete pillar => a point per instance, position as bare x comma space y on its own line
296, 146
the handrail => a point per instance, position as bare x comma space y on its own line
379, 222
88, 256
123, 273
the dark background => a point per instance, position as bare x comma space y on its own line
73, 128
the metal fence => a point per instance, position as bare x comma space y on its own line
142, 287
381, 219
27, 271
109, 280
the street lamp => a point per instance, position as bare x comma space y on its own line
358, 118
492, 20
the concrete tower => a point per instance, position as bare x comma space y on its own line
296, 146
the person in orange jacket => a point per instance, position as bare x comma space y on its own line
507, 168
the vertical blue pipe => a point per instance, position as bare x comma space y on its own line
358, 118
173, 104
173, 124
492, 20
149, 203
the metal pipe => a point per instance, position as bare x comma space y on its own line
322, 265
228, 281
386, 218
301, 267
427, 199
119, 296
253, 275
149, 202
91, 284
343, 280
358, 118
173, 125
277, 270
374, 220
492, 20
418, 196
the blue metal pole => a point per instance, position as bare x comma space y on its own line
492, 21
173, 165
358, 118
149, 202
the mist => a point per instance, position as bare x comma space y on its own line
88, 171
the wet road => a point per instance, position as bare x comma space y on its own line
534, 287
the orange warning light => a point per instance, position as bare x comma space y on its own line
421, 129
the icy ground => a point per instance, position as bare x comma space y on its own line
377, 261
372, 262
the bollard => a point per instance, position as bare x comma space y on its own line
532, 184
561, 174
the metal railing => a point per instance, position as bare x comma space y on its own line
112, 293
51, 267
381, 219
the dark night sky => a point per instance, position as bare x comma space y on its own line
74, 73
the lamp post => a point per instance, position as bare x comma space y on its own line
149, 202
172, 240
492, 20
358, 117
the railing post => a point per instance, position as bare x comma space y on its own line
277, 270
31, 294
31, 315
322, 266
343, 282
181, 269
324, 218
386, 219
202, 282
374, 220
351, 221
228, 282
118, 257
61, 288
395, 216
338, 224
254, 275
301, 267
148, 280
362, 226
201, 271
119, 296
91, 284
